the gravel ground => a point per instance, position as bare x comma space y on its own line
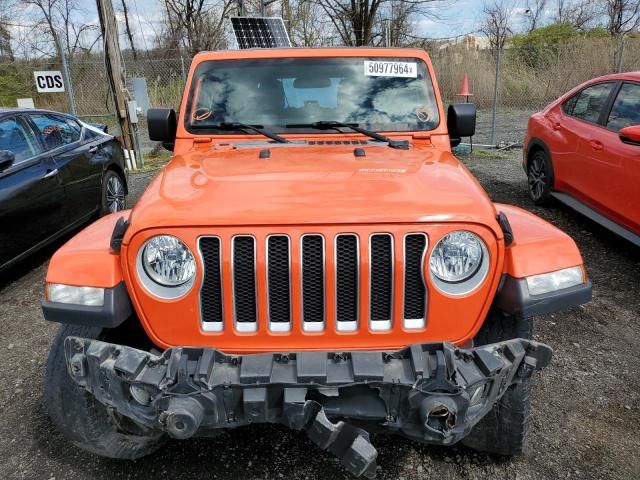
586, 409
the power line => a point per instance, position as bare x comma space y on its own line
144, 40
435, 39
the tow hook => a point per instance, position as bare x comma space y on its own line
439, 414
183, 417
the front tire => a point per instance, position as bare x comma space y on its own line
539, 178
80, 417
504, 429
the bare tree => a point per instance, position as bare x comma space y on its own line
498, 17
6, 14
306, 23
125, 13
581, 14
62, 21
561, 11
397, 28
534, 13
623, 16
198, 24
355, 20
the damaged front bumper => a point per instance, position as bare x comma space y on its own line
432, 393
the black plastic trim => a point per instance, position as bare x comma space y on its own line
116, 309
118, 234
513, 298
422, 392
505, 226
597, 217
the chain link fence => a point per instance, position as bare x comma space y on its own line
527, 80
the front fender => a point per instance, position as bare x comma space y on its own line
88, 261
538, 247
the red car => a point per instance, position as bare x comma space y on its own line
584, 150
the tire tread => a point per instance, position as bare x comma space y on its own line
79, 416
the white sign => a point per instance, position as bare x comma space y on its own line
379, 68
25, 103
49, 81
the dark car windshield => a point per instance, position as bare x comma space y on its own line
381, 94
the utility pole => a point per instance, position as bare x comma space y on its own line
115, 72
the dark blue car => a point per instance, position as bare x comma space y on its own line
56, 173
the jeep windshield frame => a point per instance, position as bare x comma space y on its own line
381, 94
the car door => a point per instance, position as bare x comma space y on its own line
31, 192
562, 140
80, 171
623, 200
581, 175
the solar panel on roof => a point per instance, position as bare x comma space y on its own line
260, 32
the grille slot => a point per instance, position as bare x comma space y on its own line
244, 282
279, 282
415, 292
211, 310
347, 282
381, 281
313, 284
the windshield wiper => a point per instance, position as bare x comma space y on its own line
329, 125
242, 126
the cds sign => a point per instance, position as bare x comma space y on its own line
49, 81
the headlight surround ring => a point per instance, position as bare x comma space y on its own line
461, 244
166, 267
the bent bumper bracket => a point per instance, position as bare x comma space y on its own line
431, 393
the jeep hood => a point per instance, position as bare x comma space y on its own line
312, 185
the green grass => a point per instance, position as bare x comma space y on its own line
488, 154
155, 162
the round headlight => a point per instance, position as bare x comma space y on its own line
168, 261
456, 257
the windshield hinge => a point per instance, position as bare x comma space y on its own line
421, 136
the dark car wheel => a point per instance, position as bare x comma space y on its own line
539, 178
113, 193
504, 429
84, 420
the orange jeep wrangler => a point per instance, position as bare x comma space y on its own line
315, 256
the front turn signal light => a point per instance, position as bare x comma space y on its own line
73, 295
558, 280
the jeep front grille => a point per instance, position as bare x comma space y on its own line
310, 253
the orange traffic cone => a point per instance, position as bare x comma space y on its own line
464, 88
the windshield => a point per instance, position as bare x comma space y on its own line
381, 94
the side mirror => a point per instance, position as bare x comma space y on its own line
162, 126
461, 121
7, 158
101, 126
630, 135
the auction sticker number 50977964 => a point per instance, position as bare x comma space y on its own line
379, 68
